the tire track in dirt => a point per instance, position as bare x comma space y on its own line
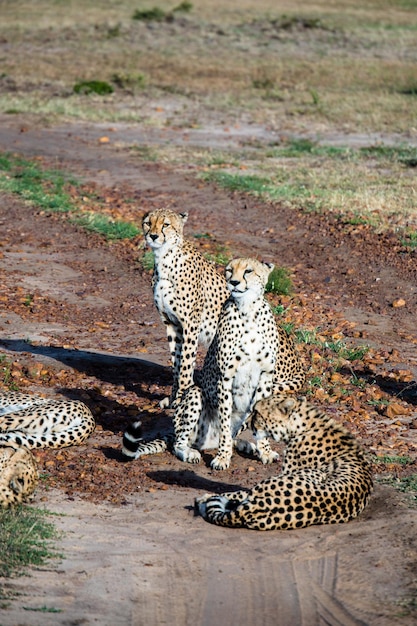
168, 567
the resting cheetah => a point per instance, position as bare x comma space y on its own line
28, 422
188, 292
249, 357
325, 477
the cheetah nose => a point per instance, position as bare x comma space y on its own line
234, 282
153, 237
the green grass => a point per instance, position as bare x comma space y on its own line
370, 186
389, 459
99, 87
26, 539
221, 255
42, 609
405, 484
410, 239
148, 260
103, 225
42, 188
45, 189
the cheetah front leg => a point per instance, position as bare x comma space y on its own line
224, 455
183, 343
262, 447
175, 341
186, 419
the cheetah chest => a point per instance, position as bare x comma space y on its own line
164, 297
254, 358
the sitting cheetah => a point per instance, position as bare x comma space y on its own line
249, 357
325, 477
28, 422
188, 292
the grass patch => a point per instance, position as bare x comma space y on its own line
155, 14
46, 189
410, 239
26, 538
389, 459
103, 225
221, 256
405, 484
279, 282
42, 188
42, 609
148, 260
365, 186
99, 87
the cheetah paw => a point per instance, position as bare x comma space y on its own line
271, 457
220, 463
188, 455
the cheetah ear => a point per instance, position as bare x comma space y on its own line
288, 404
183, 216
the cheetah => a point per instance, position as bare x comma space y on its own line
188, 293
325, 478
28, 422
249, 358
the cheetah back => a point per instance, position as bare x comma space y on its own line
27, 422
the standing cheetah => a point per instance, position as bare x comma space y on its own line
250, 356
28, 422
188, 292
325, 478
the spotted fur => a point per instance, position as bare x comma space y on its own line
188, 293
249, 357
325, 477
28, 422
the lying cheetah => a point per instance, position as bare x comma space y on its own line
28, 422
188, 293
325, 477
249, 357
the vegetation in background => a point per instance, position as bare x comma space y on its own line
100, 87
156, 14
370, 186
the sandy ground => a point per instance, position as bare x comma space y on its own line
147, 559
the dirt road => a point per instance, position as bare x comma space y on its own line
134, 552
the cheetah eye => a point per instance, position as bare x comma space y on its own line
166, 224
248, 271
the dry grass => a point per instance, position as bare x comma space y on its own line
342, 65
293, 66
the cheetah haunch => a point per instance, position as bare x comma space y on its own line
28, 422
188, 293
250, 356
325, 477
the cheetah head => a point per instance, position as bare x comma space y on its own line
276, 416
163, 227
18, 474
247, 278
